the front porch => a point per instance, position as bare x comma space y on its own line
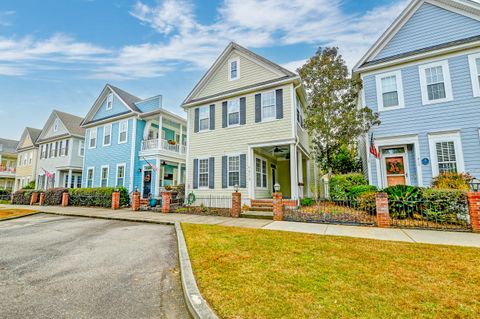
68, 177
157, 173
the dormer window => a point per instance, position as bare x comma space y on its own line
109, 101
233, 69
56, 124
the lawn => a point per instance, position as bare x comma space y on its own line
247, 273
11, 212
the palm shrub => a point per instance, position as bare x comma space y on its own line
403, 201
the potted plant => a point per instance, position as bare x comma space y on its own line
172, 142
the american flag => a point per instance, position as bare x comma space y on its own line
47, 173
155, 168
373, 149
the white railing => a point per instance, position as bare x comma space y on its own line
156, 144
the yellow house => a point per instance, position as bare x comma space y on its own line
27, 152
245, 130
8, 160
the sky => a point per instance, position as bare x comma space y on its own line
59, 54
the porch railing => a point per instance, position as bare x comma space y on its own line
161, 144
5, 169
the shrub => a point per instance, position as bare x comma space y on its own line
30, 185
97, 197
22, 197
307, 201
4, 192
367, 201
340, 185
445, 205
403, 200
53, 196
452, 181
356, 191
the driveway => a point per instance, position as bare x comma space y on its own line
69, 267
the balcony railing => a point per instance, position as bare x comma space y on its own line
7, 170
157, 144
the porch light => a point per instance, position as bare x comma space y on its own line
276, 187
164, 163
474, 185
235, 187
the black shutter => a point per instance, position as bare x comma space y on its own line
197, 120
212, 116
211, 172
279, 100
224, 114
243, 111
224, 171
243, 170
258, 108
195, 173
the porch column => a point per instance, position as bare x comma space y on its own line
156, 190
293, 172
308, 180
300, 173
179, 173
57, 179
181, 136
160, 124
70, 179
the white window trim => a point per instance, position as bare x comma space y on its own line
93, 176
446, 80
109, 99
255, 170
398, 79
80, 148
119, 131
199, 118
124, 173
230, 69
446, 137
101, 173
103, 137
474, 73
274, 106
228, 171
228, 113
90, 137
208, 173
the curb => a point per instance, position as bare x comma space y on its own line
198, 307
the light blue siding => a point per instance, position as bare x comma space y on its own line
149, 105
137, 175
117, 108
429, 26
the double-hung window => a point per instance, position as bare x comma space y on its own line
53, 149
107, 135
389, 91
120, 175
81, 148
268, 106
123, 128
474, 61
203, 172
233, 112
233, 171
447, 161
90, 172
233, 69
435, 82
104, 176
300, 115
446, 153
30, 158
204, 118
109, 102
93, 138
261, 172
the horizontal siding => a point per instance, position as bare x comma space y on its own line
149, 105
117, 108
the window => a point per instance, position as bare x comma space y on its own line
104, 177
300, 115
233, 171
268, 106
203, 172
446, 153
61, 149
93, 138
204, 118
90, 172
109, 102
474, 62
66, 181
107, 135
66, 147
30, 158
233, 112
81, 148
25, 160
261, 172
233, 69
20, 160
123, 128
79, 181
389, 91
52, 150
56, 125
42, 151
435, 82
446, 157
120, 175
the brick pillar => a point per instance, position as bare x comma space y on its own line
236, 205
474, 210
383, 216
136, 201
65, 198
41, 201
166, 199
33, 198
115, 200
277, 206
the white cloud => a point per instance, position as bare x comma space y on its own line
6, 18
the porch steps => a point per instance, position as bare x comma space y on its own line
257, 214
262, 208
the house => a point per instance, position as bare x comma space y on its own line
8, 160
27, 151
134, 143
245, 130
61, 151
423, 77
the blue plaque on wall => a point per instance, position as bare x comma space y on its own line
425, 161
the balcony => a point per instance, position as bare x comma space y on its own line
6, 171
161, 144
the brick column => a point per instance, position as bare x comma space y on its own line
277, 206
136, 201
383, 216
41, 201
166, 199
474, 210
236, 205
65, 198
115, 200
33, 198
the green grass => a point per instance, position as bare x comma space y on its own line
247, 273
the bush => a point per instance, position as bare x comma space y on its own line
97, 197
452, 181
403, 200
356, 191
4, 192
445, 205
53, 196
307, 201
340, 185
367, 201
30, 185
22, 197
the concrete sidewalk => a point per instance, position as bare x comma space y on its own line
395, 234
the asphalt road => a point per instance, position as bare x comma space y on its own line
67, 267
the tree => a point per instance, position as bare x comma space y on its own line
332, 117
346, 160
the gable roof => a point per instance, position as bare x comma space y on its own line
222, 58
70, 122
34, 133
8, 146
128, 98
468, 8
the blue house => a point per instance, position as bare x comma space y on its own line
133, 143
423, 77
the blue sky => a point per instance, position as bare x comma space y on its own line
59, 54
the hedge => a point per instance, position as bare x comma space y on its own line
97, 197
22, 197
340, 185
445, 205
53, 196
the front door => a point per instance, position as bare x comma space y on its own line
395, 170
147, 182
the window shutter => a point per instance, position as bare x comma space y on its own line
279, 100
224, 114
258, 108
243, 112
197, 120
211, 172
212, 116
195, 173
243, 170
224, 171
